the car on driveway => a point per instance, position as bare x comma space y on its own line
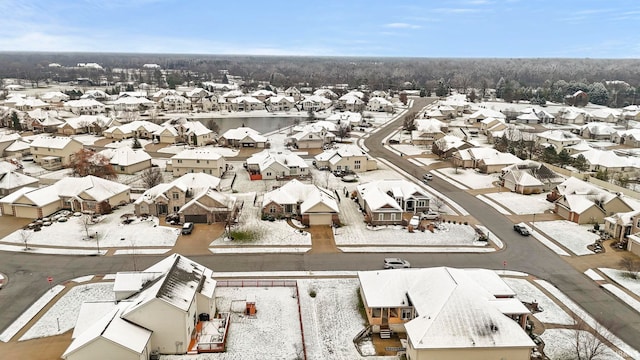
187, 228
396, 263
429, 215
415, 221
520, 229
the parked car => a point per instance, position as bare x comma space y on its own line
521, 230
415, 221
187, 228
396, 263
429, 215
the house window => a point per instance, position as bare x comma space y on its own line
407, 314
381, 217
268, 173
393, 216
197, 161
421, 203
272, 209
179, 161
175, 195
310, 136
176, 209
376, 312
393, 312
356, 164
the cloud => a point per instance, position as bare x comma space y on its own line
456, 10
402, 26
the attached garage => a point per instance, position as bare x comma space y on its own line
320, 219
199, 219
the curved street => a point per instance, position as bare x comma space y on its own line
27, 273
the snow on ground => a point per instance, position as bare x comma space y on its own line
266, 232
141, 251
499, 208
546, 242
258, 250
127, 143
64, 313
620, 277
273, 333
593, 275
559, 344
82, 279
111, 233
470, 178
409, 149
574, 237
26, 316
527, 292
522, 204
622, 295
51, 251
427, 161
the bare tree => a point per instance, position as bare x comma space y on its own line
589, 343
25, 235
86, 220
152, 177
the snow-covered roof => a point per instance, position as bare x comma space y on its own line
243, 132
4, 137
345, 150
317, 99
194, 182
197, 154
11, 180
325, 93
196, 128
295, 192
376, 193
346, 117
53, 142
604, 158
134, 126
429, 125
265, 158
83, 103
38, 197
125, 156
246, 99
559, 135
486, 113
96, 188
450, 142
454, 309
86, 120
598, 128
132, 100
226, 202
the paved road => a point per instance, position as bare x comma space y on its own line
28, 273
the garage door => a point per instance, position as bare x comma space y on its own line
320, 219
200, 219
27, 212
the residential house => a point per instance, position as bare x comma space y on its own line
326, 93
54, 152
140, 129
29, 103
11, 181
620, 225
210, 207
585, 203
175, 103
167, 198
267, 165
345, 158
6, 139
197, 97
95, 94
40, 120
195, 160
243, 137
557, 138
605, 115
597, 131
246, 103
54, 97
311, 137
351, 102
86, 194
579, 98
629, 137
448, 313
530, 177
156, 312
262, 94
447, 145
84, 124
133, 104
608, 160
379, 104
160, 94
126, 160
346, 118
571, 116
487, 160
281, 103
316, 103
85, 107
314, 205
294, 93
482, 114
385, 201
428, 131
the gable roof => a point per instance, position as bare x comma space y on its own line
53, 142
194, 182
376, 193
125, 156
295, 192
265, 159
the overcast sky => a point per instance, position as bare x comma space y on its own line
420, 28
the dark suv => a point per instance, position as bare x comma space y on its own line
521, 230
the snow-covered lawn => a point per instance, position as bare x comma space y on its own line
127, 142
620, 277
427, 161
574, 237
65, 311
522, 204
265, 232
560, 344
410, 150
111, 233
470, 178
32, 311
527, 292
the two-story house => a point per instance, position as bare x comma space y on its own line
267, 165
197, 160
54, 152
345, 158
384, 202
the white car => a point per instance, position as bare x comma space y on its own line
396, 263
415, 221
429, 215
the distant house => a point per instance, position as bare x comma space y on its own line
141, 129
314, 205
84, 124
88, 194
557, 138
156, 311
246, 103
428, 131
294, 93
54, 152
597, 131
262, 94
11, 181
607, 160
529, 177
267, 165
316, 103
85, 107
620, 225
579, 98
571, 116
585, 203
629, 137
281, 103
351, 102
385, 201
486, 160
447, 145
447, 313
54, 97
132, 103
126, 160
346, 158
482, 114
175, 103
242, 137
379, 104
195, 160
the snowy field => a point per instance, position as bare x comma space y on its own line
266, 232
469, 178
65, 311
620, 278
527, 292
522, 204
111, 233
574, 237
560, 344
